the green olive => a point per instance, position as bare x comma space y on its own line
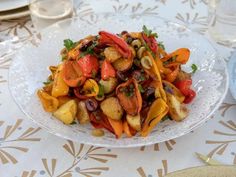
146, 62
140, 52
136, 43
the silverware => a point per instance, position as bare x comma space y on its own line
208, 160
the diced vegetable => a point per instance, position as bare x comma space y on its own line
82, 113
128, 130
60, 88
129, 97
171, 89
156, 112
67, 112
107, 70
122, 64
134, 121
50, 104
111, 54
184, 87
115, 41
90, 88
112, 108
97, 132
177, 110
72, 73
89, 65
63, 99
109, 85
146, 62
117, 126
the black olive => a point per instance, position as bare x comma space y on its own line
85, 45
122, 76
124, 32
144, 104
150, 91
136, 75
129, 40
91, 104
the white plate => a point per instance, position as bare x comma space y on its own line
232, 74
12, 4
29, 70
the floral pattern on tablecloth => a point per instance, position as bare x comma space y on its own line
28, 151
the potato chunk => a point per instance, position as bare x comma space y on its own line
112, 108
177, 110
111, 54
82, 113
134, 121
66, 113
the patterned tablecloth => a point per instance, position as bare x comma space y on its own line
28, 151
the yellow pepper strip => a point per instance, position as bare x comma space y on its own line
137, 35
60, 88
175, 91
90, 88
157, 111
50, 104
156, 71
181, 54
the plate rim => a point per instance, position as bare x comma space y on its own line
197, 125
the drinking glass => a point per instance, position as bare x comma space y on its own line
46, 12
222, 21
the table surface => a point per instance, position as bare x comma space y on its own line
28, 151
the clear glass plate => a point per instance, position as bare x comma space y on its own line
29, 70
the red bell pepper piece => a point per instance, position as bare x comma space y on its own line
72, 73
184, 87
99, 120
107, 70
151, 42
115, 41
89, 64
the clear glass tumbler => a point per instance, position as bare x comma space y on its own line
222, 21
46, 12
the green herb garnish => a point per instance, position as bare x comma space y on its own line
161, 45
101, 90
141, 88
149, 33
194, 68
72, 123
94, 73
49, 81
69, 44
166, 117
89, 50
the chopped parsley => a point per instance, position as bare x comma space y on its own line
89, 50
141, 88
69, 44
72, 123
194, 68
49, 81
149, 33
172, 59
94, 73
101, 90
166, 117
